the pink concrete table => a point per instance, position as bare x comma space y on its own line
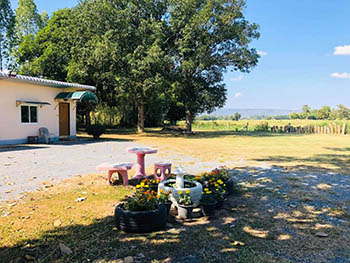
140, 165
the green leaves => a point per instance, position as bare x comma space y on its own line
211, 36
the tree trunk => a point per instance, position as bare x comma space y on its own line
188, 121
140, 118
87, 118
1, 54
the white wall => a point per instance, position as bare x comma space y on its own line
11, 127
73, 118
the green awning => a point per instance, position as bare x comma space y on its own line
81, 96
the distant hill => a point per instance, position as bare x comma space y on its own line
249, 113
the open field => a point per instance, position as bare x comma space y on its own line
275, 218
230, 125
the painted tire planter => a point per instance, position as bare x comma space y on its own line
196, 190
140, 221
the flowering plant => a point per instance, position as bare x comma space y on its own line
163, 197
151, 183
207, 196
143, 200
185, 198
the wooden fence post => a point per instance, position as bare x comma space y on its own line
344, 129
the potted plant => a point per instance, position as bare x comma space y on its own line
164, 198
184, 205
208, 202
150, 183
96, 130
224, 176
141, 213
218, 188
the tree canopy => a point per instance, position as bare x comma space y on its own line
209, 36
157, 58
6, 30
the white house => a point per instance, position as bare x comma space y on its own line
28, 103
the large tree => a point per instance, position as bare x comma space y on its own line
28, 20
122, 49
6, 26
209, 36
48, 53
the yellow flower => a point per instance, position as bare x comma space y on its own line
157, 180
209, 192
158, 196
138, 186
142, 184
146, 185
180, 192
197, 178
188, 191
160, 190
224, 184
206, 189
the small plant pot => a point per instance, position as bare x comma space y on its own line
230, 186
208, 209
184, 212
219, 204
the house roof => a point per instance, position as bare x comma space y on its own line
44, 82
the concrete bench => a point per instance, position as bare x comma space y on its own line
120, 168
164, 169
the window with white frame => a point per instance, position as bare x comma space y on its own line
29, 114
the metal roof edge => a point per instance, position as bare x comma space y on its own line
45, 82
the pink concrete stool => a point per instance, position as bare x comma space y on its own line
165, 170
120, 168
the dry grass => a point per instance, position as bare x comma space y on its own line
242, 232
314, 151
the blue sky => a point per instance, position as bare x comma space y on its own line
306, 54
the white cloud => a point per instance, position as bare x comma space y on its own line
238, 94
342, 50
239, 78
262, 53
341, 75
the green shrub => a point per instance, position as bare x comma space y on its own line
96, 130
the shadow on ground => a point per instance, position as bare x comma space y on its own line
339, 163
275, 216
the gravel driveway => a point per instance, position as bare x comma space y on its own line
23, 168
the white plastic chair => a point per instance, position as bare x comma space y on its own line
44, 133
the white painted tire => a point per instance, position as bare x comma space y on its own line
196, 191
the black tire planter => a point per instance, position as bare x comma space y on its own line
168, 206
219, 204
208, 209
140, 221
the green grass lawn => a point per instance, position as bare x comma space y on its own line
241, 232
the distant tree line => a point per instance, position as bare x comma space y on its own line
150, 60
236, 117
324, 113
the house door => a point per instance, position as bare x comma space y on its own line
64, 119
